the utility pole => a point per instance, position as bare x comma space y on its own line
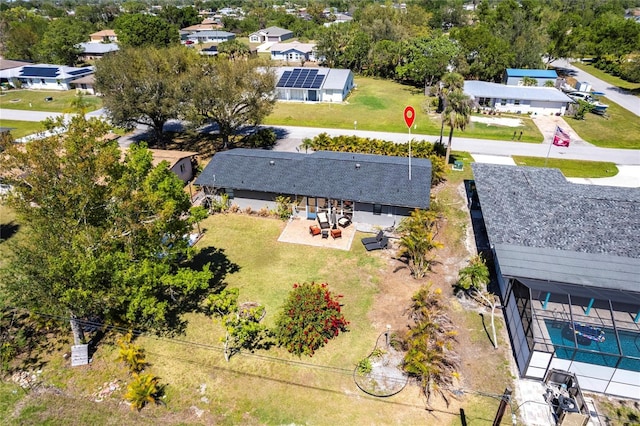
506, 397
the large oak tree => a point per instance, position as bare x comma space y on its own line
144, 86
231, 94
104, 235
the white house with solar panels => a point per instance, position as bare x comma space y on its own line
44, 76
313, 84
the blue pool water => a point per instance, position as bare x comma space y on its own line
600, 353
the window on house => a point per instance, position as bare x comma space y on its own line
182, 168
377, 209
503, 101
516, 102
229, 193
42, 80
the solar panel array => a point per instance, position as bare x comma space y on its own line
301, 78
39, 72
80, 71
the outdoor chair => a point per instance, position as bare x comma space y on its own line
314, 230
371, 240
336, 233
323, 220
344, 222
377, 245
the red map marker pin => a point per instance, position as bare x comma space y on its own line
409, 116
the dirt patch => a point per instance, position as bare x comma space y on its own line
480, 362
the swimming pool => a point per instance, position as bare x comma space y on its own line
604, 353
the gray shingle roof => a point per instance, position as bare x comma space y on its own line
274, 31
485, 89
546, 228
377, 179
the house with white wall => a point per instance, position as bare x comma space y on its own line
313, 84
517, 99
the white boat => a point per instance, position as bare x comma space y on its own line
591, 97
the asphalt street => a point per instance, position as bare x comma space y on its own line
617, 95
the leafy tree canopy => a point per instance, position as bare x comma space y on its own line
145, 85
59, 42
105, 236
137, 30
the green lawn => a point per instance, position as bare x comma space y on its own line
22, 128
571, 168
35, 100
620, 129
378, 105
611, 79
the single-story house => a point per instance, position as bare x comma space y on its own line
514, 76
517, 99
340, 18
6, 65
213, 36
180, 162
93, 51
271, 34
104, 36
313, 84
567, 258
45, 76
293, 52
200, 27
85, 84
370, 189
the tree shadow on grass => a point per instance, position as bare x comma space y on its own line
486, 331
8, 230
219, 264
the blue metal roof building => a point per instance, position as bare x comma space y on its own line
514, 76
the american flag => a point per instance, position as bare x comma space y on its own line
561, 138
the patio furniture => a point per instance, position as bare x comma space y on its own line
376, 239
377, 245
325, 233
336, 233
323, 220
314, 230
344, 221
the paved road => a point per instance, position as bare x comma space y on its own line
293, 136
617, 95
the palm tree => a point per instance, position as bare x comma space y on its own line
430, 357
473, 279
417, 241
450, 81
457, 114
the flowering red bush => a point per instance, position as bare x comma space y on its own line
310, 317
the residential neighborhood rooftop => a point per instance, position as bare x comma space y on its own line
533, 73
485, 89
357, 177
544, 227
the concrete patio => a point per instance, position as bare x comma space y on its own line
297, 232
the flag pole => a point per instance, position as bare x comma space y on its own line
409, 152
550, 145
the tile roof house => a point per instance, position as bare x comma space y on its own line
271, 34
293, 52
370, 189
104, 36
517, 99
44, 76
313, 84
567, 257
